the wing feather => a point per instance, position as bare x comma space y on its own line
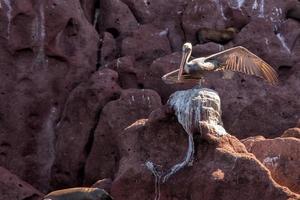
242, 60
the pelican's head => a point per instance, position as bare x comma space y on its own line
176, 75
187, 47
186, 53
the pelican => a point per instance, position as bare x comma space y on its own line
236, 59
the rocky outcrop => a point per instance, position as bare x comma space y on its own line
146, 44
116, 116
13, 188
76, 126
91, 10
292, 132
281, 157
116, 18
108, 49
222, 167
46, 50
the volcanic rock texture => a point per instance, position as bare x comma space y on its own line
81, 98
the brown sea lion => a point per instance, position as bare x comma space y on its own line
294, 12
78, 193
223, 36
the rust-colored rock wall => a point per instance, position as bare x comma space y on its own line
75, 75
280, 156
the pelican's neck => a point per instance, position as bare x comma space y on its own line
184, 61
188, 57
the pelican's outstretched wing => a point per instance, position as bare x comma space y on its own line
172, 77
242, 60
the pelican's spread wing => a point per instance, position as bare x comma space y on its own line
242, 60
172, 77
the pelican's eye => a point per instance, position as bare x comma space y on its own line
186, 49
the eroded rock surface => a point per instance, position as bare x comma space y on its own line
281, 157
46, 50
13, 188
116, 116
292, 132
76, 126
222, 167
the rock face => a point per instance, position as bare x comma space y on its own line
222, 169
142, 47
292, 132
197, 110
46, 50
13, 188
77, 123
281, 157
116, 116
116, 18
75, 75
197, 105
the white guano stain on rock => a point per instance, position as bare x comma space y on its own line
267, 41
240, 3
146, 3
221, 47
164, 32
283, 42
157, 175
96, 17
46, 152
118, 63
221, 9
276, 17
271, 161
262, 9
149, 102
38, 32
255, 5
193, 107
237, 4
8, 15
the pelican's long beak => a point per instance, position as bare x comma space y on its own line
176, 75
171, 77
182, 64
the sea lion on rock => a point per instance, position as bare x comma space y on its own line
79, 193
223, 36
294, 12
